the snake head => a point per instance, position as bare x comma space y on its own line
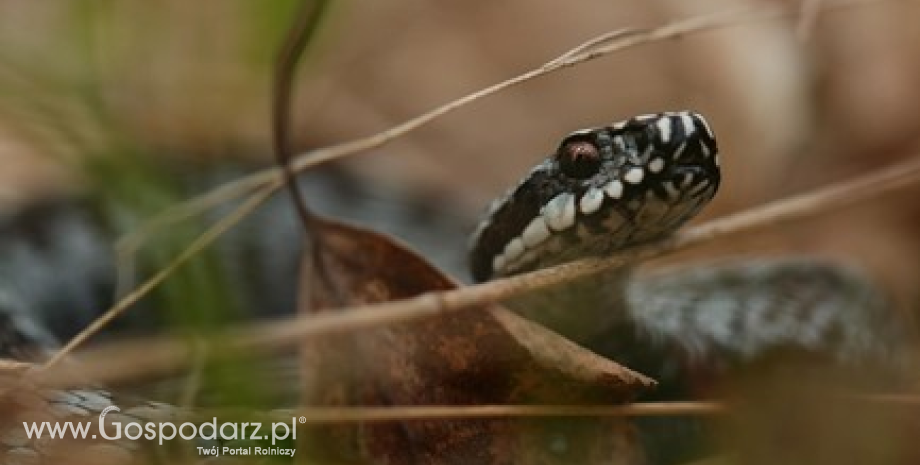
604, 189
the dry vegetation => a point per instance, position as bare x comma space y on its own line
801, 97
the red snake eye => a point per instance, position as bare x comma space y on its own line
579, 159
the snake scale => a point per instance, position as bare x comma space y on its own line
602, 191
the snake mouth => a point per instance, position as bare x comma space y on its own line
604, 189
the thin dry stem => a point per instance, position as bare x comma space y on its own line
187, 254
168, 354
797, 207
594, 48
427, 412
13, 367
131, 242
605, 38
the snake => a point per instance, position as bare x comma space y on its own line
608, 189
603, 191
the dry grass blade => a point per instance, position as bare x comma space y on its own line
809, 204
598, 41
422, 412
165, 354
594, 48
198, 244
129, 243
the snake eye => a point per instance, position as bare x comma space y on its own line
579, 159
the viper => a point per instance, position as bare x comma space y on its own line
610, 188
607, 189
604, 190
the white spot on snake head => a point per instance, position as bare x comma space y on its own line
581, 132
535, 232
614, 189
680, 150
656, 165
591, 201
664, 129
560, 212
645, 155
514, 249
699, 188
705, 125
635, 175
687, 122
716, 160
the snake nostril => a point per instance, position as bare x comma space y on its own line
579, 159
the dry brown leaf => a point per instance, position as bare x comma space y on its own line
490, 356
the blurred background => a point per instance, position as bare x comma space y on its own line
95, 93
796, 102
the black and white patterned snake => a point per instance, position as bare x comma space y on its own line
602, 191
610, 188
